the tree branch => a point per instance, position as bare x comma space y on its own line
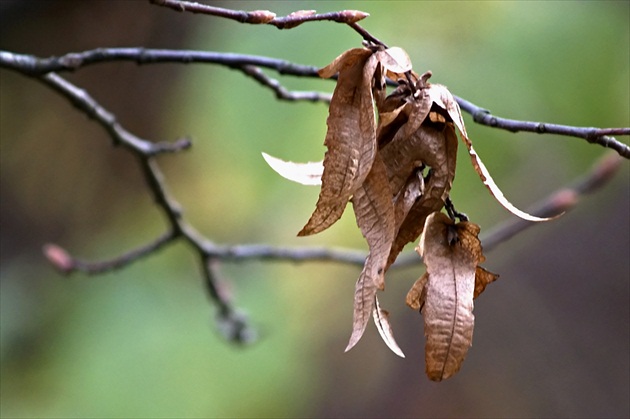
599, 136
281, 92
120, 136
264, 16
250, 64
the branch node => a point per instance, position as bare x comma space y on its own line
479, 116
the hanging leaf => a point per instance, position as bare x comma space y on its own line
482, 279
305, 173
417, 293
395, 60
374, 212
437, 145
351, 135
451, 253
407, 197
350, 139
381, 320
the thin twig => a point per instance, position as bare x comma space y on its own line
281, 92
66, 263
263, 16
120, 136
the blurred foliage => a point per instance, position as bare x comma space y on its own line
552, 335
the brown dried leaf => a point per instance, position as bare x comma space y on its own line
374, 212
438, 149
482, 278
364, 295
407, 197
395, 60
417, 293
305, 173
350, 139
447, 310
381, 320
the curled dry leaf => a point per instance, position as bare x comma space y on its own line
305, 173
381, 320
395, 60
482, 279
350, 138
374, 213
451, 253
433, 145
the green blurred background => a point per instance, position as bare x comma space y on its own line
551, 337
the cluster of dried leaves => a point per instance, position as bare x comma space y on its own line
397, 170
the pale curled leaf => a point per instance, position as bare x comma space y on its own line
448, 305
487, 180
381, 320
350, 139
443, 98
305, 173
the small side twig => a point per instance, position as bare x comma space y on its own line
281, 92
120, 136
67, 264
